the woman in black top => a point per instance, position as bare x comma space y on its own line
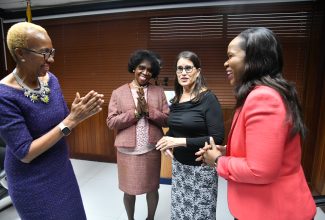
195, 115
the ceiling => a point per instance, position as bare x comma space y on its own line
13, 9
16, 9
16, 5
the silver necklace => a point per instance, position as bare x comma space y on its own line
34, 95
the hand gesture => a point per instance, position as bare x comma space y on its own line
140, 92
139, 108
142, 105
85, 107
167, 142
209, 153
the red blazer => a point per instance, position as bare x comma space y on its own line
265, 178
121, 115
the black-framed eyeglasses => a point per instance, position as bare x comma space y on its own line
46, 54
143, 68
188, 69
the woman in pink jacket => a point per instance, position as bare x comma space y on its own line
263, 153
137, 111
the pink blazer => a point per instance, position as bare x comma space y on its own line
265, 178
121, 115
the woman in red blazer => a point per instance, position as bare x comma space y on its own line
137, 111
263, 153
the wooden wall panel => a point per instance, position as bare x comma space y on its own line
93, 140
94, 55
93, 51
314, 107
318, 177
3, 70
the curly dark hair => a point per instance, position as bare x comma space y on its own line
263, 66
140, 55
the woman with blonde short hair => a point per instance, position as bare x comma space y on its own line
34, 119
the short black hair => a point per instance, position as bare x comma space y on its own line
140, 55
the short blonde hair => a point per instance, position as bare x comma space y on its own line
18, 33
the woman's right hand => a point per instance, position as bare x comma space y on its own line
84, 107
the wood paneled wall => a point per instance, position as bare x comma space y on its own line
93, 140
93, 51
93, 55
314, 106
318, 172
2, 55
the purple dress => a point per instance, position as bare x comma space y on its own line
45, 188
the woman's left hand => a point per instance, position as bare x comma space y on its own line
84, 107
209, 153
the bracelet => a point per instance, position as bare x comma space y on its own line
216, 160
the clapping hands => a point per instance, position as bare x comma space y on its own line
85, 107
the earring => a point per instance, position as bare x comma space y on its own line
22, 60
133, 70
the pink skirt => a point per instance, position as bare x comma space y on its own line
139, 174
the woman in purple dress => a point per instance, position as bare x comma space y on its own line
34, 119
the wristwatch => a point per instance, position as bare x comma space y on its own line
64, 129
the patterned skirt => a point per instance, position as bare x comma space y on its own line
194, 192
139, 174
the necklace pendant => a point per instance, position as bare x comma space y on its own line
34, 95
34, 98
45, 99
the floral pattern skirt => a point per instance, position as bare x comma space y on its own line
194, 192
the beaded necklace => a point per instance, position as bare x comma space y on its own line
41, 94
137, 86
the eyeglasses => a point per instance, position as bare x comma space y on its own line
143, 68
46, 54
188, 69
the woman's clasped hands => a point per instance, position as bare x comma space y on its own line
210, 152
142, 105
